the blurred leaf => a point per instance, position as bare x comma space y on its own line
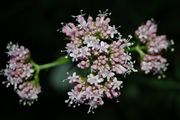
58, 77
132, 91
167, 84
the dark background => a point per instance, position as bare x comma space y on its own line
33, 23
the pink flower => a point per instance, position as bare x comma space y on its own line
120, 60
100, 53
18, 68
157, 44
92, 92
147, 31
154, 64
17, 53
17, 73
28, 92
154, 45
113, 88
20, 72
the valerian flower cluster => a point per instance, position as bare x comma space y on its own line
19, 72
100, 51
152, 61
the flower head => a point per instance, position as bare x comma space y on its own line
92, 91
18, 69
17, 72
17, 53
28, 92
98, 47
158, 44
154, 64
147, 31
20, 72
152, 61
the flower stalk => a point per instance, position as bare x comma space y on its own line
38, 68
139, 49
60, 61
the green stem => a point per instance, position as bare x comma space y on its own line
60, 61
139, 49
38, 68
37, 71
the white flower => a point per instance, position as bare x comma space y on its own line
91, 41
75, 97
107, 74
103, 47
74, 54
70, 47
84, 52
116, 84
81, 20
112, 31
94, 79
73, 78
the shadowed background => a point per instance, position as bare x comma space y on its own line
34, 23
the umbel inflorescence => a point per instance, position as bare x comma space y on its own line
20, 72
100, 51
99, 48
155, 45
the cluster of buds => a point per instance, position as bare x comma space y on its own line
19, 73
100, 49
152, 61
